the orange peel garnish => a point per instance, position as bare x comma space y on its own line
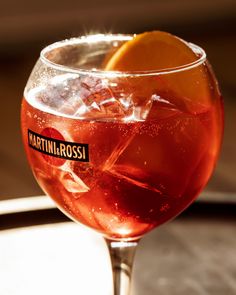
157, 51
151, 51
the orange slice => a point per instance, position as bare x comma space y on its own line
187, 89
151, 51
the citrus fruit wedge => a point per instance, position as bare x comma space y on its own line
151, 51
164, 53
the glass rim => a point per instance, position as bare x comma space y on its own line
104, 73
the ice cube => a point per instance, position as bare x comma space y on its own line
134, 176
60, 94
70, 181
100, 100
93, 97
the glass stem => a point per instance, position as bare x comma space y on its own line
122, 257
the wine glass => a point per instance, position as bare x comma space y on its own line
120, 152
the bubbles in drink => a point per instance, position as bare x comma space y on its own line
148, 154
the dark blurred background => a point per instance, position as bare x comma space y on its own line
27, 26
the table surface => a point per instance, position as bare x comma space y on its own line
194, 254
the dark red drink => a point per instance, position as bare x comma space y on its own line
120, 177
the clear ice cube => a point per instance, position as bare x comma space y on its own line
70, 181
93, 97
